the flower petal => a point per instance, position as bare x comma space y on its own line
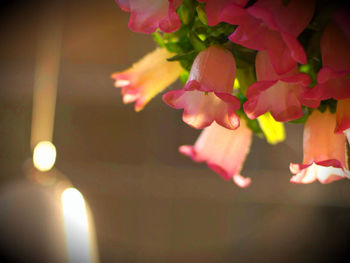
347, 134
320, 142
292, 18
223, 150
214, 69
274, 27
324, 151
225, 11
335, 48
333, 79
146, 78
207, 95
343, 115
124, 5
147, 16
201, 108
331, 84
324, 174
278, 94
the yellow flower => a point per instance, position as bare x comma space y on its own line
273, 130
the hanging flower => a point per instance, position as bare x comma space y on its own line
334, 77
207, 95
343, 118
324, 151
278, 94
147, 16
229, 11
223, 150
274, 26
146, 78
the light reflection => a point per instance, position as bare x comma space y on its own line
122, 83
47, 67
78, 237
44, 156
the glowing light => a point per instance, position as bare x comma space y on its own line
305, 68
76, 226
44, 156
202, 37
46, 72
236, 84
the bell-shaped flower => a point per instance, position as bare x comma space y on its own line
229, 11
278, 94
147, 77
274, 26
334, 77
324, 151
207, 95
343, 118
223, 150
147, 16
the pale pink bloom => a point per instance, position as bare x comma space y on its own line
343, 117
207, 95
228, 11
148, 15
278, 94
147, 77
324, 151
223, 150
334, 78
272, 26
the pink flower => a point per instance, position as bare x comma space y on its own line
343, 118
279, 94
224, 11
207, 95
146, 78
147, 16
334, 78
223, 150
324, 152
272, 26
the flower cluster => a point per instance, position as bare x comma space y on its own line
247, 68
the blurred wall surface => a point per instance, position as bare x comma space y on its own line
149, 203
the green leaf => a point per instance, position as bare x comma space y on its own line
303, 119
186, 12
185, 59
202, 14
181, 56
173, 47
196, 42
253, 125
241, 98
300, 120
244, 78
158, 38
244, 57
285, 2
187, 63
330, 104
184, 76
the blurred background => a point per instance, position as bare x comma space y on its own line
148, 203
